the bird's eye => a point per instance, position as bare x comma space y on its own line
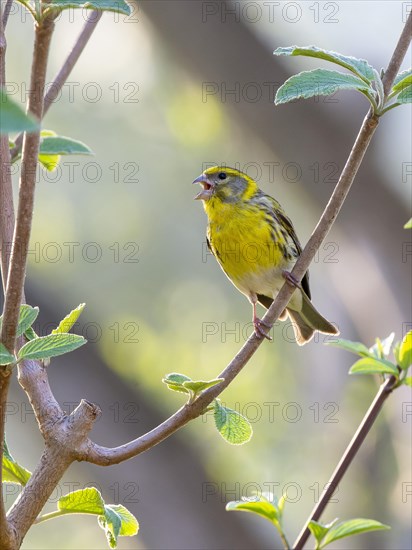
222, 175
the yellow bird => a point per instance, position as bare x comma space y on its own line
256, 246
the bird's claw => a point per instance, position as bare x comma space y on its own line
260, 333
290, 279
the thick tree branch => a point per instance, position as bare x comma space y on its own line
92, 19
61, 450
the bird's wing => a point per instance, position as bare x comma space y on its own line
285, 222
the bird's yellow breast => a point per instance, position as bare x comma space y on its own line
243, 242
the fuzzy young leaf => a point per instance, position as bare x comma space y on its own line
408, 224
408, 381
12, 471
369, 365
60, 145
352, 527
360, 67
405, 351
402, 79
50, 346
382, 348
66, 324
405, 96
84, 501
231, 425
111, 524
319, 530
48, 160
261, 507
5, 356
318, 82
119, 6
30, 334
27, 317
348, 345
197, 386
174, 382
129, 526
13, 118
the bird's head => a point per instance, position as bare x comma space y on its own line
225, 184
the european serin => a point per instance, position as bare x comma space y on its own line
256, 246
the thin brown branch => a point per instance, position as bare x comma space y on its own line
92, 19
6, 13
106, 456
398, 56
21, 237
384, 391
7, 535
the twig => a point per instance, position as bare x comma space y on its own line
92, 19
7, 535
18, 260
398, 56
384, 391
7, 10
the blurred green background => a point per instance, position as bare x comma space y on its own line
159, 96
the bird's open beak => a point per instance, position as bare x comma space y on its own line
207, 190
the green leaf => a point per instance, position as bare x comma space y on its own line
5, 357
405, 96
197, 386
382, 348
119, 6
231, 425
84, 501
405, 351
30, 334
66, 324
12, 471
49, 161
60, 145
27, 317
402, 79
360, 67
13, 118
111, 524
117, 521
50, 346
408, 225
352, 527
348, 345
369, 365
129, 526
408, 381
318, 82
319, 530
174, 382
258, 506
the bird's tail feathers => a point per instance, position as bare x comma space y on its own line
308, 320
